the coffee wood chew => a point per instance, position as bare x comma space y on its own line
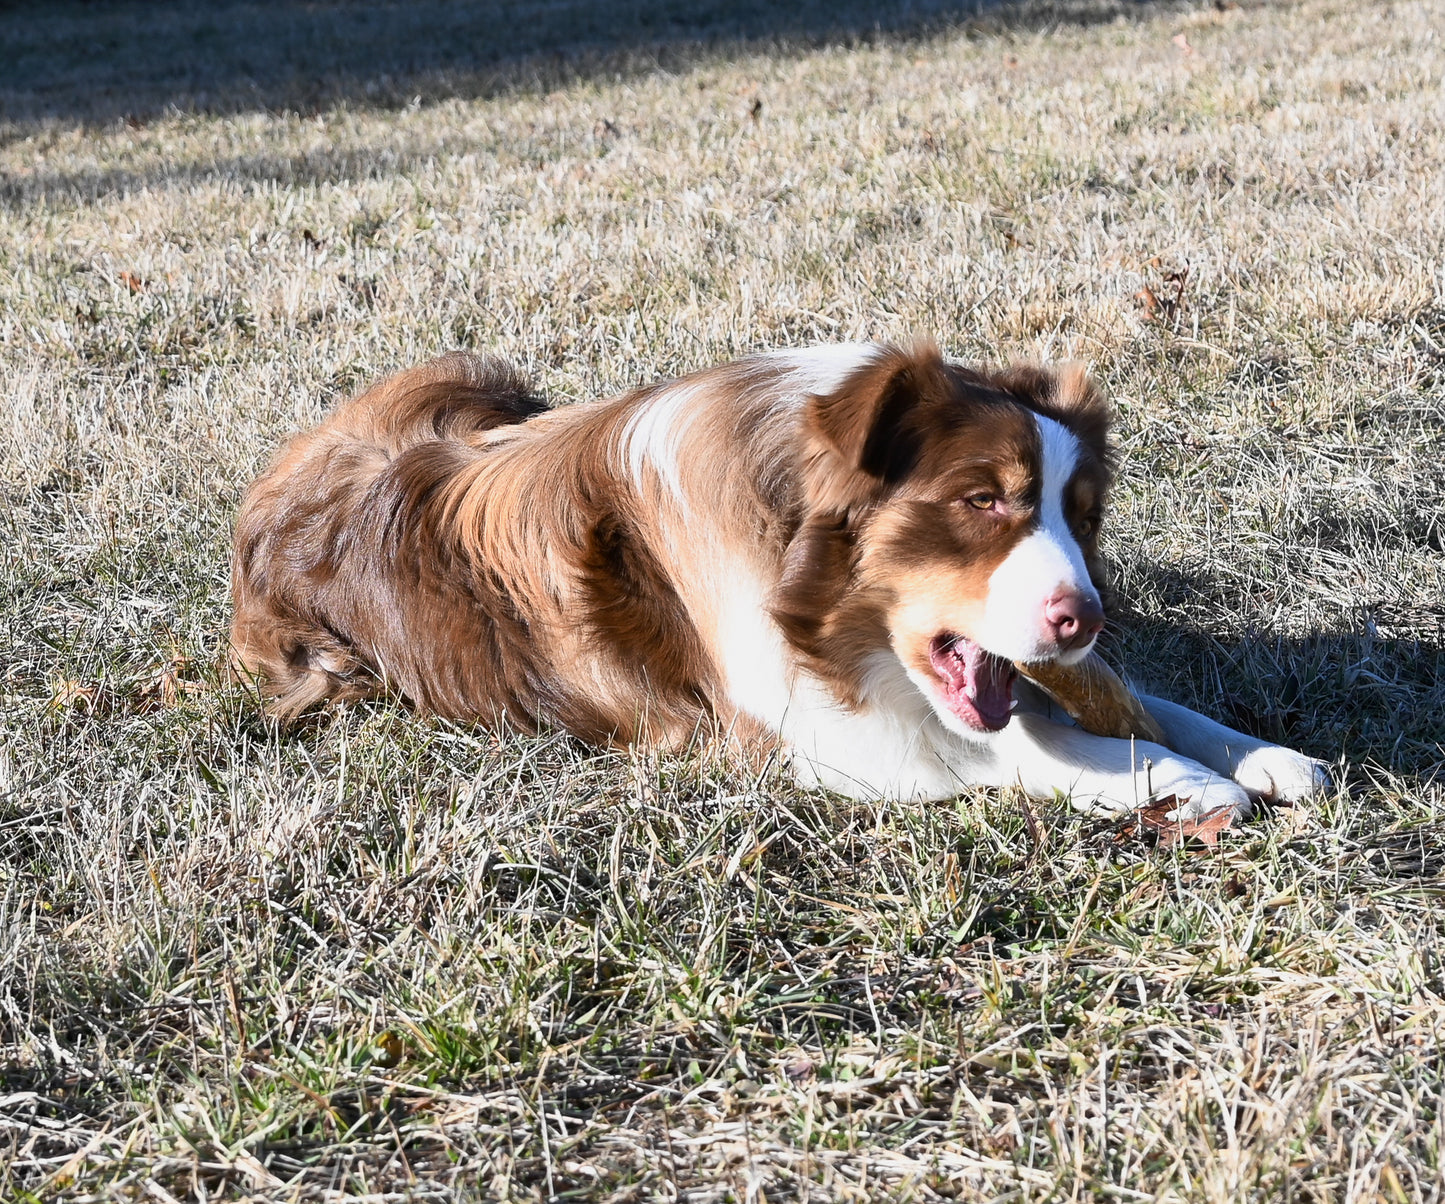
1096, 698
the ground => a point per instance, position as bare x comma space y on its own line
378, 958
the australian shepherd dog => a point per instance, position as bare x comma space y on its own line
841, 552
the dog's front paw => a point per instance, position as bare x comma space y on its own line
1203, 794
1281, 775
1192, 790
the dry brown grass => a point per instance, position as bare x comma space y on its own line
382, 959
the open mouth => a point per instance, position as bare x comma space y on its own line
976, 686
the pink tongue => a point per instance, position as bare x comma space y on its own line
978, 686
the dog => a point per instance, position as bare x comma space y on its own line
841, 552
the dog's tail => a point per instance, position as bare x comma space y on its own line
303, 542
452, 397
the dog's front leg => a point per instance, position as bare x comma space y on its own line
1265, 770
1099, 773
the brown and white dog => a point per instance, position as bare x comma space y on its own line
843, 550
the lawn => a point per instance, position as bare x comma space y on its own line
377, 958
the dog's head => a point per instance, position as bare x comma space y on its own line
953, 515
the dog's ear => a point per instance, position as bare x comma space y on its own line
869, 429
1082, 406
1064, 392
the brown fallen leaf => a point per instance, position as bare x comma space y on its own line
802, 1070
1203, 828
75, 695
387, 1050
133, 282
164, 685
1146, 298
1180, 281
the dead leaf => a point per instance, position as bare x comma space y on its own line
250, 1166
755, 110
1170, 306
165, 684
1031, 823
1180, 281
238, 1017
1010, 61
802, 1070
1203, 828
387, 1050
1183, 43
75, 695
133, 282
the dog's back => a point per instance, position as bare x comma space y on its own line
339, 503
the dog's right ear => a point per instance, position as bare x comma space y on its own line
866, 435
1063, 392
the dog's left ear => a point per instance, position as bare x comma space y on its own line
866, 433
1065, 392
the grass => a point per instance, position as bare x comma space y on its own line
376, 958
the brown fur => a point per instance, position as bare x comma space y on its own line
445, 536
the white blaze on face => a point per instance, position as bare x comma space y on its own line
1045, 563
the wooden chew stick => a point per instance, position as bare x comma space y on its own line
1096, 698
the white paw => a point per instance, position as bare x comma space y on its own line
1201, 792
1281, 775
1196, 789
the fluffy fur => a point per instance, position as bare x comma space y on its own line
842, 550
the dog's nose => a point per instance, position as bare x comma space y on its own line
1074, 618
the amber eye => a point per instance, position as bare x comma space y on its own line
1086, 526
981, 501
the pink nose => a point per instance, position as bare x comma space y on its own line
1074, 618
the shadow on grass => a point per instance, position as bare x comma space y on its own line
103, 60
1371, 690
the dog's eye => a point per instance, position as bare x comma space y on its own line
1086, 526
981, 501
